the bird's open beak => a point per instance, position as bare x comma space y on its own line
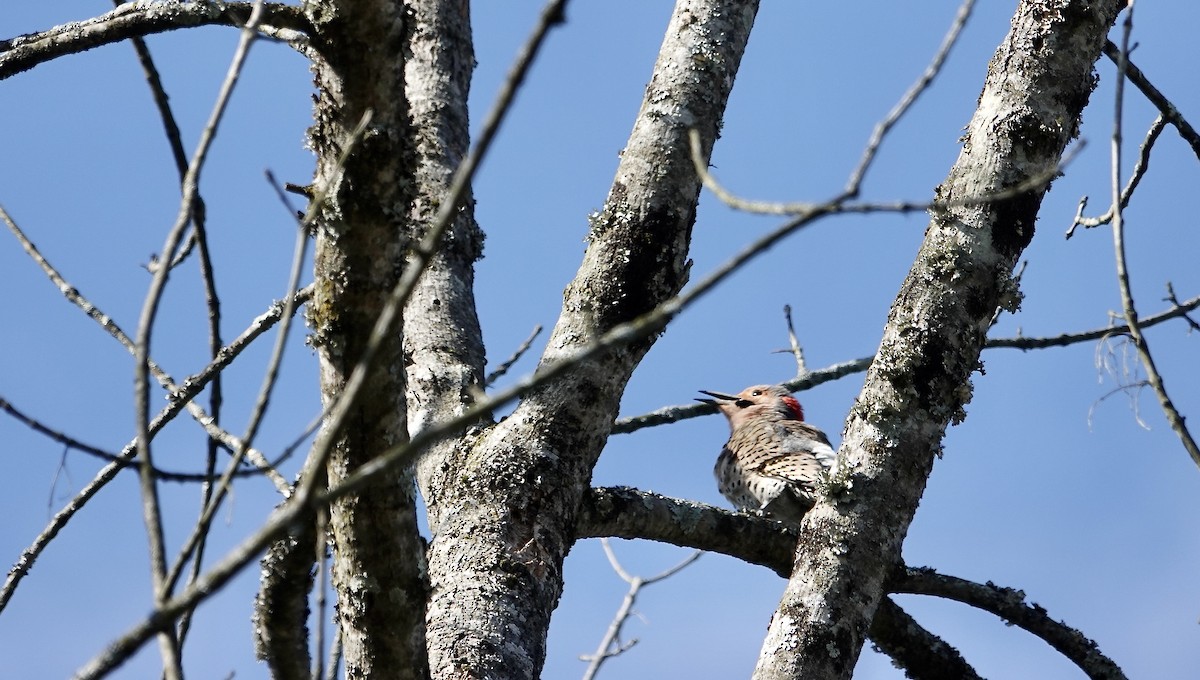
717, 397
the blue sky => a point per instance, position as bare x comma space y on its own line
1044, 487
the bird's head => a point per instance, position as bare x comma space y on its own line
758, 400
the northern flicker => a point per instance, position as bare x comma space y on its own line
773, 458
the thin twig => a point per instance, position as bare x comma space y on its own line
516, 356
76, 445
610, 644
1175, 301
260, 406
322, 561
671, 414
198, 238
854, 182
794, 342
1118, 227
179, 399
73, 295
909, 98
1164, 105
1139, 171
841, 204
172, 666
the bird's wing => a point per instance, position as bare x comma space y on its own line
801, 438
801, 469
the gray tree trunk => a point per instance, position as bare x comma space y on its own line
378, 563
1037, 85
503, 500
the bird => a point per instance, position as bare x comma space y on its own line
773, 459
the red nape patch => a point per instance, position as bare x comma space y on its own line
795, 406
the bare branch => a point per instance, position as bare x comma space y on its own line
853, 536
922, 655
168, 640
199, 238
610, 644
626, 512
909, 98
1178, 309
1010, 606
516, 356
794, 342
671, 414
72, 443
304, 500
422, 254
179, 399
1139, 171
854, 182
1164, 105
1175, 301
281, 613
630, 513
141, 19
1174, 418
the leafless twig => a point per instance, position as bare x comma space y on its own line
169, 642
611, 644
671, 414
322, 562
1139, 171
198, 237
794, 342
516, 356
179, 399
77, 445
909, 98
1118, 227
854, 182
1164, 105
1178, 305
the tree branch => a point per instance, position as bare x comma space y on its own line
1009, 605
922, 655
179, 399
624, 512
1037, 85
136, 19
671, 414
1136, 337
1160, 101
635, 264
443, 344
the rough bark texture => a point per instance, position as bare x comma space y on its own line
630, 513
136, 20
1036, 88
443, 346
506, 500
922, 655
281, 607
378, 566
